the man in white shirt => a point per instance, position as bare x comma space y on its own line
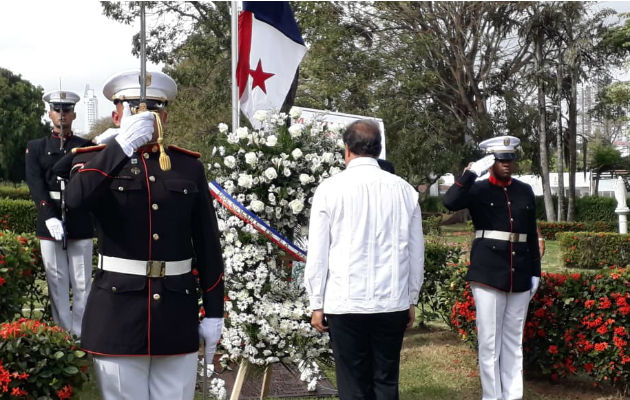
365, 266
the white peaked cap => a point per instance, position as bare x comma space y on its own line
126, 86
61, 97
503, 147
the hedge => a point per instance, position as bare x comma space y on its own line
577, 323
20, 268
15, 192
550, 229
587, 208
18, 215
594, 249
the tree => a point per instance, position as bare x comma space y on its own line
604, 157
21, 110
100, 126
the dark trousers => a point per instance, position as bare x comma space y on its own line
366, 348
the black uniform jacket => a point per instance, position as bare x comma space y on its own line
501, 264
144, 213
41, 156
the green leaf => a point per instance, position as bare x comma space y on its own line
71, 370
59, 355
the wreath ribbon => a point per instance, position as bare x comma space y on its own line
238, 209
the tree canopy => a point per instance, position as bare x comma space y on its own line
21, 110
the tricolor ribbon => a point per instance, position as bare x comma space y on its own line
238, 209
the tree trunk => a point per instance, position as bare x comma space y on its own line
572, 138
560, 143
542, 127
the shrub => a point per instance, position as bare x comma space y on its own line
20, 267
433, 204
576, 323
39, 361
550, 229
431, 225
18, 215
594, 250
15, 192
587, 208
434, 300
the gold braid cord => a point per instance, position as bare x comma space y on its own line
165, 161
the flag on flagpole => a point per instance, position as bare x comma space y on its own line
270, 49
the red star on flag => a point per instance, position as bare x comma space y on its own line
259, 76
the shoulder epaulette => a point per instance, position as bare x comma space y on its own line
185, 151
79, 150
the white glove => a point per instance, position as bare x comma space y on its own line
210, 332
135, 130
534, 288
106, 136
481, 166
55, 227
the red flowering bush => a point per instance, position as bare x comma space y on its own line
576, 322
20, 267
594, 249
39, 361
550, 229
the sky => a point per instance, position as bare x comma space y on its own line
72, 41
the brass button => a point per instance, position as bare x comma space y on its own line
187, 291
513, 269
492, 204
505, 189
185, 191
156, 236
154, 206
154, 149
49, 153
156, 297
114, 289
152, 178
509, 203
121, 189
511, 219
513, 253
145, 155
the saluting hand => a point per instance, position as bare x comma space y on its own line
135, 130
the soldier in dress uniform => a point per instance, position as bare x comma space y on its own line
157, 228
504, 270
70, 266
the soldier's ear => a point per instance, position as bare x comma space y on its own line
116, 117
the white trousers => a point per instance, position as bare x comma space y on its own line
500, 323
65, 269
147, 377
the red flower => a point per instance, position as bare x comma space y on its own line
601, 346
2, 280
17, 392
65, 392
553, 349
620, 331
604, 303
589, 303
588, 367
602, 329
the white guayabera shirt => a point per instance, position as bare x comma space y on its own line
366, 247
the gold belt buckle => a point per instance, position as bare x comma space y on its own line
156, 269
513, 237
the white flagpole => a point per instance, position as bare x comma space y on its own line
235, 102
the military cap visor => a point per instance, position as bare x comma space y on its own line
153, 105
58, 107
505, 156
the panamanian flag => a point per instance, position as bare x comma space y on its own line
270, 49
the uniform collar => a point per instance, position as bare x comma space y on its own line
65, 135
355, 162
499, 183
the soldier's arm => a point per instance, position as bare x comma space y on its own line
456, 197
207, 245
36, 181
91, 174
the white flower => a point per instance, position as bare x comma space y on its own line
245, 180
296, 205
242, 132
341, 144
328, 157
257, 206
229, 162
295, 130
271, 141
261, 115
305, 178
334, 171
223, 127
295, 112
296, 153
270, 173
286, 172
250, 158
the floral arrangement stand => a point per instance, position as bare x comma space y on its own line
240, 379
